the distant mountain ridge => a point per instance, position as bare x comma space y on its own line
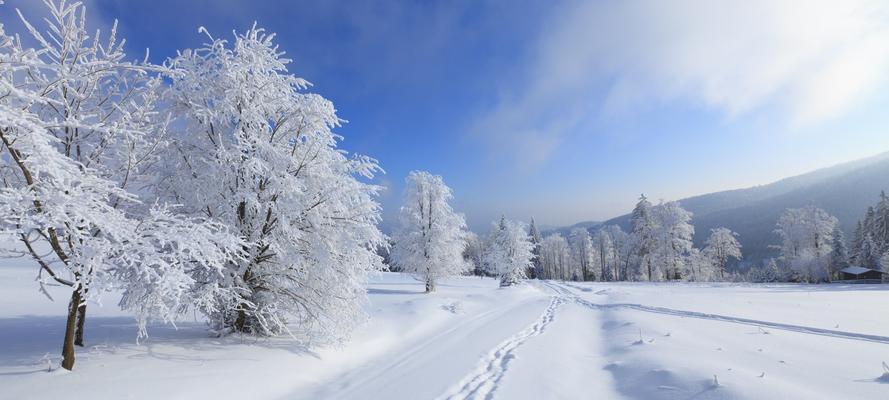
844, 190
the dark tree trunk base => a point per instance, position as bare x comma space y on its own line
245, 322
78, 333
70, 328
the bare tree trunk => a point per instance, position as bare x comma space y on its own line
78, 333
70, 328
241, 324
430, 285
241, 319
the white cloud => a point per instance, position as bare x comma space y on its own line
809, 60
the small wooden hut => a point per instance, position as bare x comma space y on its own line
861, 275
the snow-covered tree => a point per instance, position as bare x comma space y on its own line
721, 246
673, 234
806, 237
605, 255
871, 237
583, 252
884, 263
623, 251
555, 257
258, 154
643, 232
857, 241
699, 267
474, 252
81, 130
510, 252
839, 255
430, 239
865, 252
866, 245
536, 238
878, 227
868, 253
769, 272
384, 250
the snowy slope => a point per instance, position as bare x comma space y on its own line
473, 340
845, 191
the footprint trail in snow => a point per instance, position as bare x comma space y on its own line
482, 383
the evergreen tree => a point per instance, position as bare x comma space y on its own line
767, 273
839, 256
536, 238
879, 227
509, 254
857, 243
870, 217
884, 263
869, 256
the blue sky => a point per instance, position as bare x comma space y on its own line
567, 110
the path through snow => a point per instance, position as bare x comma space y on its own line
482, 383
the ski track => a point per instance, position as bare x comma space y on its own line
564, 291
375, 369
482, 383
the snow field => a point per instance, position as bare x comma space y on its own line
473, 340
667, 355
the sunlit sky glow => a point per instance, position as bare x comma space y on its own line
567, 110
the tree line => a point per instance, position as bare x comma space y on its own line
432, 242
813, 248
659, 247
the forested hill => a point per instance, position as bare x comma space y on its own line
844, 190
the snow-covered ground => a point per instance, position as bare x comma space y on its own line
540, 340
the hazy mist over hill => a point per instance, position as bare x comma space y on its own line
844, 190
